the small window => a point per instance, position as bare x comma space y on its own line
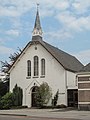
42, 67
36, 66
29, 68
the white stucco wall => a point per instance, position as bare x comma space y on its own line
55, 75
71, 80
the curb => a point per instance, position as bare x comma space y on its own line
13, 114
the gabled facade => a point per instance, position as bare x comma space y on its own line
41, 62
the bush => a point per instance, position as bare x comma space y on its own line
17, 96
43, 95
61, 106
12, 99
6, 101
18, 107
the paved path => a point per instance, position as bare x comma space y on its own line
49, 114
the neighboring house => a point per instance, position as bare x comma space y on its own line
41, 62
84, 88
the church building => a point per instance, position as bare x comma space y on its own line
41, 62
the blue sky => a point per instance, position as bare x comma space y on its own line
65, 24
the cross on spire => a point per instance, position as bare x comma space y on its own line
37, 6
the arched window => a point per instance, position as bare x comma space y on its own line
28, 68
42, 67
36, 66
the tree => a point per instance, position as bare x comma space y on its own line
17, 96
43, 94
4, 87
6, 101
13, 57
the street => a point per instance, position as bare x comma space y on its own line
44, 114
6, 117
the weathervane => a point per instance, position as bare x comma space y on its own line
37, 5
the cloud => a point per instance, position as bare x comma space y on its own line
14, 7
81, 6
74, 23
5, 50
58, 35
2, 41
84, 56
13, 32
56, 4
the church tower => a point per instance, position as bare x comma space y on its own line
37, 31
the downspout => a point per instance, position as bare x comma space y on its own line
66, 87
25, 96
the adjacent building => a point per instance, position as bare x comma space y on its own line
84, 88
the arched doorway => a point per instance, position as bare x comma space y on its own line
33, 96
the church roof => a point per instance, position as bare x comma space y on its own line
68, 61
86, 68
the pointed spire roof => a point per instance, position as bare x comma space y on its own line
37, 31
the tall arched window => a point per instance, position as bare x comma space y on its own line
36, 66
42, 67
28, 68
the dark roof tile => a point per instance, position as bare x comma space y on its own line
86, 68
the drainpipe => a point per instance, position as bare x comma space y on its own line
66, 86
25, 96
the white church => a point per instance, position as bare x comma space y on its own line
41, 62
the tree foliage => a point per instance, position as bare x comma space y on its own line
12, 99
13, 57
6, 101
4, 87
43, 94
17, 96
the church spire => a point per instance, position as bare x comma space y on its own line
37, 31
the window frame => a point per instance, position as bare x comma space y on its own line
42, 67
28, 68
36, 66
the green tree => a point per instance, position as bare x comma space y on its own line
43, 94
17, 96
4, 87
6, 101
13, 57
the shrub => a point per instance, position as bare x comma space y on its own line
43, 95
17, 96
6, 101
61, 106
18, 107
12, 99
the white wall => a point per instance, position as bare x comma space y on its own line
55, 75
71, 80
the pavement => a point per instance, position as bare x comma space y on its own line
49, 113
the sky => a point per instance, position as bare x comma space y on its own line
65, 24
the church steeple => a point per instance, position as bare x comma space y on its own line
37, 31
